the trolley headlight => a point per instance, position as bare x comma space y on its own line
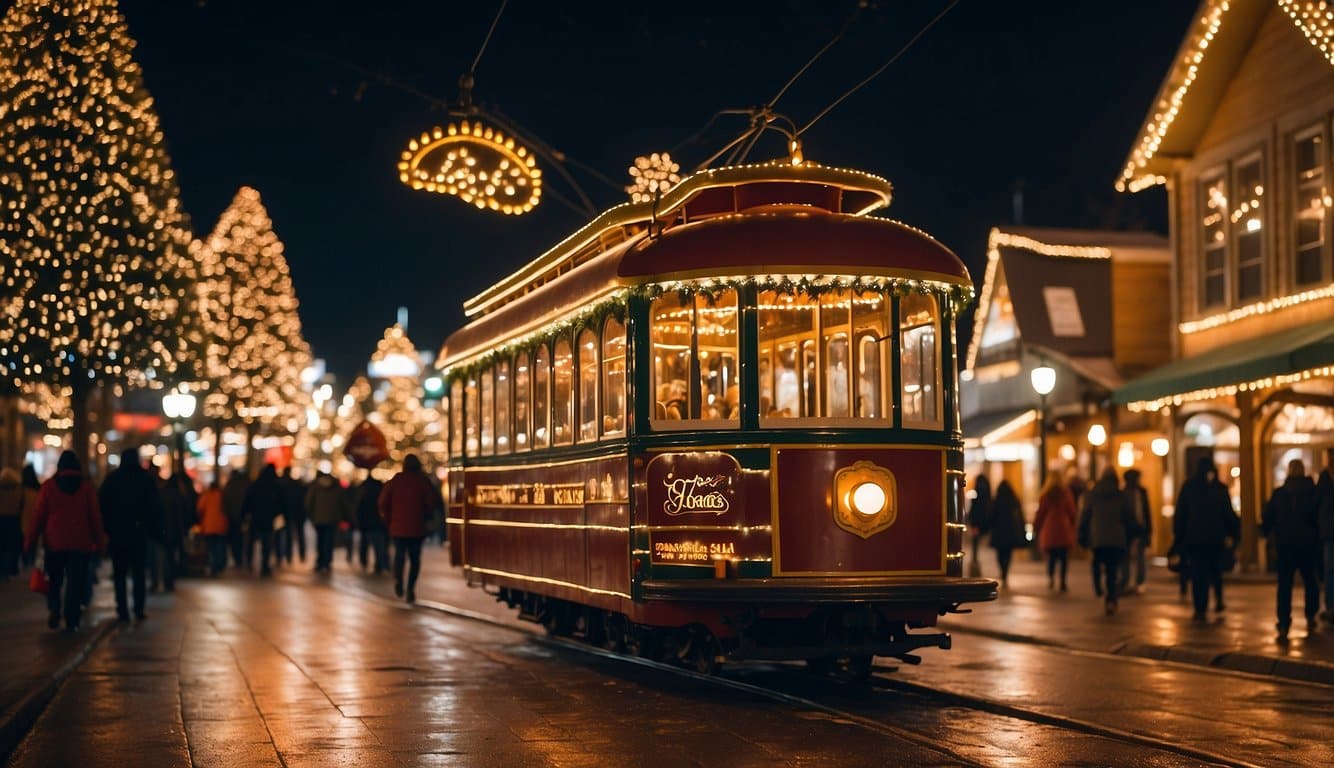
868, 498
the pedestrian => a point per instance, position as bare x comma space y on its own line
31, 487
1289, 519
372, 528
979, 519
1076, 485
1055, 525
405, 503
294, 492
1105, 526
263, 503
1203, 528
233, 503
11, 522
178, 512
1325, 520
1007, 527
70, 524
1136, 555
326, 506
213, 524
132, 516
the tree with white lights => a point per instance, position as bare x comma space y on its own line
399, 412
95, 277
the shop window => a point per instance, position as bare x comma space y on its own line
1311, 202
541, 398
1247, 219
1213, 242
488, 413
588, 386
503, 444
456, 418
613, 377
562, 399
474, 415
693, 341
522, 398
918, 339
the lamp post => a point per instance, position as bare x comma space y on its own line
1043, 378
1097, 438
178, 405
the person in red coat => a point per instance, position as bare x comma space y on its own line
1055, 525
405, 504
68, 519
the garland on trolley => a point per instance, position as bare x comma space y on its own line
616, 305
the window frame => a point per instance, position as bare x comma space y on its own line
571, 427
938, 423
541, 415
1202, 185
588, 371
1325, 249
1238, 230
609, 392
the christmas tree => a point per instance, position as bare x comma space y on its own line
398, 409
255, 351
95, 277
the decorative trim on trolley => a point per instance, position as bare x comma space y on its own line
553, 526
544, 580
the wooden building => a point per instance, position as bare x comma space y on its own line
1240, 133
1074, 300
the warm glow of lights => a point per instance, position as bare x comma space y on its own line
1067, 452
398, 409
651, 176
178, 404
868, 498
1125, 455
475, 163
1044, 379
1160, 446
1257, 308
1097, 435
1316, 21
1212, 393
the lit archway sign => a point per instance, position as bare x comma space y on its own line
476, 164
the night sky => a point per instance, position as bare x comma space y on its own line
312, 104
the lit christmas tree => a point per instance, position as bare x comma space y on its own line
357, 405
398, 409
255, 350
94, 270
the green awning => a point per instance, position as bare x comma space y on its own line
1290, 351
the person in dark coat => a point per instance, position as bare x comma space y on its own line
1106, 526
406, 502
233, 502
179, 502
132, 515
1289, 519
264, 501
1055, 526
372, 528
1137, 566
1325, 523
1203, 527
326, 506
1007, 527
70, 525
979, 519
294, 533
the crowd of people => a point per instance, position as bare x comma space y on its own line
155, 529
1113, 521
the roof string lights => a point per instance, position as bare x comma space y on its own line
1212, 393
1258, 308
475, 163
1316, 21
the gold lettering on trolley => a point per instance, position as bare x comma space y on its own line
695, 495
522, 494
691, 551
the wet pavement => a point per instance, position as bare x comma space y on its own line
330, 670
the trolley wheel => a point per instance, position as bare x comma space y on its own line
701, 651
613, 633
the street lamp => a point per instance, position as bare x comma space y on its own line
1097, 438
178, 406
1043, 378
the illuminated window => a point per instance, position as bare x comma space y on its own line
588, 386
488, 413
870, 330
694, 347
1311, 203
835, 318
456, 418
918, 337
522, 398
1247, 216
1213, 242
474, 414
787, 338
503, 444
541, 398
613, 377
562, 400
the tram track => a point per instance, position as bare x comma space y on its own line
881, 678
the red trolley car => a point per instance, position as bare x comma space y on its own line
720, 426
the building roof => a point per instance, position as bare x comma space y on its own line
1215, 44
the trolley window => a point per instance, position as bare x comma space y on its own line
473, 414
588, 386
870, 331
488, 413
541, 397
562, 401
694, 346
787, 355
503, 444
918, 335
522, 396
456, 418
613, 377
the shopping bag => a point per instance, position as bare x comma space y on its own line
38, 582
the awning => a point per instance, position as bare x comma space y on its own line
1269, 360
983, 429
